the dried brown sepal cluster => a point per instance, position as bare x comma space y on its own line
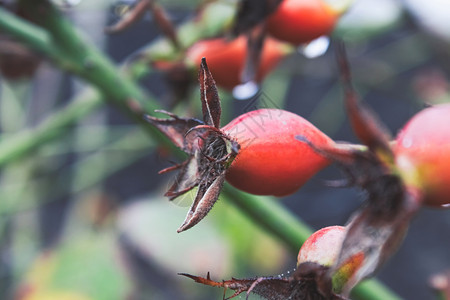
210, 151
308, 282
378, 228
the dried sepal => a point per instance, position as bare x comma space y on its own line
365, 123
343, 153
130, 17
186, 179
175, 128
375, 232
137, 12
209, 96
207, 195
308, 282
165, 25
377, 229
210, 151
251, 13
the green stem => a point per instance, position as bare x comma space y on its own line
24, 142
91, 170
83, 60
279, 221
69, 51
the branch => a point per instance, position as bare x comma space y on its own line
65, 47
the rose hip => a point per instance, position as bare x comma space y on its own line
422, 154
271, 161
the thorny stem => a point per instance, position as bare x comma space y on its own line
63, 45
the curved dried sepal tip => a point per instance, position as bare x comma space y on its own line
343, 153
205, 199
209, 96
202, 280
130, 17
174, 128
364, 122
164, 23
307, 282
186, 179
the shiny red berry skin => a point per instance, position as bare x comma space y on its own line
300, 21
226, 58
322, 246
271, 161
422, 153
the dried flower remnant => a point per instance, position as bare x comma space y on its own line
378, 228
308, 282
210, 151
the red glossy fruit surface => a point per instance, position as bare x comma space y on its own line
226, 59
300, 21
271, 161
322, 246
422, 153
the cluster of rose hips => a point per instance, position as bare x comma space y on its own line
294, 22
274, 152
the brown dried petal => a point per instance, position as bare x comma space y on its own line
209, 96
175, 129
301, 285
364, 122
164, 23
186, 179
206, 197
378, 229
130, 18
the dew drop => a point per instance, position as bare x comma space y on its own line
245, 91
315, 48
407, 142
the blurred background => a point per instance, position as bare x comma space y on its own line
84, 217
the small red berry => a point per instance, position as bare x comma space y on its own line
271, 161
422, 154
300, 21
226, 58
323, 246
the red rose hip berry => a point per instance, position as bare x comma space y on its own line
300, 21
422, 154
322, 246
271, 161
226, 59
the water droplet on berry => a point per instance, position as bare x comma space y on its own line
407, 142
